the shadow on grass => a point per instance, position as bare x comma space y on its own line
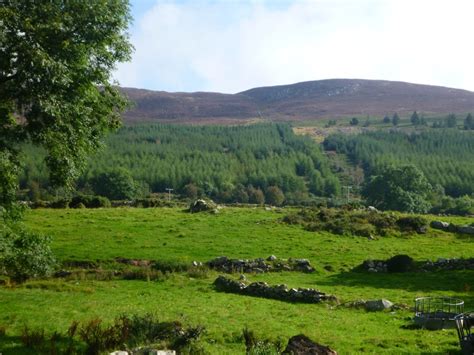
455, 281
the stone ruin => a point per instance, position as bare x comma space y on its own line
259, 265
279, 292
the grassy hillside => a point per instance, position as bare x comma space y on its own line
174, 236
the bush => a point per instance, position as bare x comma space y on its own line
89, 201
400, 263
24, 254
416, 224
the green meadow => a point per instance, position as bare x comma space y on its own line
171, 235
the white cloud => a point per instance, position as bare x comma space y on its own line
233, 46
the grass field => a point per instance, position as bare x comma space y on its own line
172, 235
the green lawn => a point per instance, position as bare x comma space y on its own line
173, 235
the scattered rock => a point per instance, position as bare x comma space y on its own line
272, 258
378, 305
302, 345
372, 209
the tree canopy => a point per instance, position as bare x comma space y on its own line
56, 60
401, 188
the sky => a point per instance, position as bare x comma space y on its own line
234, 45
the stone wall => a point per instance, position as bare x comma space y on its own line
279, 292
259, 265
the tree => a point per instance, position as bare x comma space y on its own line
395, 119
451, 120
354, 121
415, 119
274, 196
386, 119
116, 185
56, 60
403, 188
469, 122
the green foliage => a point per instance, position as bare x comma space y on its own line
415, 119
461, 206
469, 122
274, 196
88, 201
354, 121
345, 222
402, 188
446, 157
386, 119
416, 224
125, 331
115, 184
451, 121
24, 254
227, 164
56, 61
395, 119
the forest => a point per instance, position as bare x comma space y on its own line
445, 156
257, 163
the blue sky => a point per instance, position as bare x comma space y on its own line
230, 46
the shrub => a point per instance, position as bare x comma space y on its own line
24, 254
416, 224
89, 201
33, 338
400, 263
61, 203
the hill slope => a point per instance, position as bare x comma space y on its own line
302, 101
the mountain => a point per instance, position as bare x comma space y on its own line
331, 98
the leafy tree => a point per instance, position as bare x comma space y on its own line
469, 122
415, 119
395, 119
386, 119
403, 188
256, 196
274, 196
115, 185
451, 120
191, 191
354, 121
56, 60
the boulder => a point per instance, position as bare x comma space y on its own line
302, 345
439, 225
378, 305
202, 206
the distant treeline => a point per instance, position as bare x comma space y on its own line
446, 156
230, 164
